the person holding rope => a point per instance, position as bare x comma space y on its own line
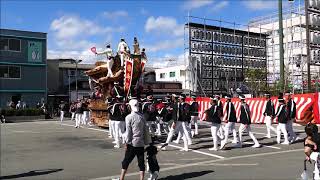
282, 115
231, 120
269, 114
245, 121
212, 115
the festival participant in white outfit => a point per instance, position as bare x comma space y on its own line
231, 120
212, 115
85, 116
111, 129
291, 106
150, 113
282, 115
123, 48
269, 114
118, 113
110, 59
62, 108
72, 110
194, 108
181, 114
245, 121
220, 113
79, 112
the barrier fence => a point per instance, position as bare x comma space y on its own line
308, 107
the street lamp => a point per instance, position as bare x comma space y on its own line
76, 61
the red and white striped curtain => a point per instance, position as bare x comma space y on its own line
305, 103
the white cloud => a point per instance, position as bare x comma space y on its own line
67, 27
115, 14
195, 4
260, 4
86, 55
163, 24
168, 60
219, 5
165, 44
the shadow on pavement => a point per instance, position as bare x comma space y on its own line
187, 175
31, 173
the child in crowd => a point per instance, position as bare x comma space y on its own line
153, 165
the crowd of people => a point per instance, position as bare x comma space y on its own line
174, 116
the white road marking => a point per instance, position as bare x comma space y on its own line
102, 130
206, 162
200, 152
218, 164
273, 147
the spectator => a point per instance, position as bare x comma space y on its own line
19, 105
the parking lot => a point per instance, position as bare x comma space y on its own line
54, 150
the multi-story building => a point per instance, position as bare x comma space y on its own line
23, 67
294, 44
64, 76
174, 74
219, 57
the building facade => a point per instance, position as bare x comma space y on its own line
174, 74
64, 76
294, 45
219, 57
23, 67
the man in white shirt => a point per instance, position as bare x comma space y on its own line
123, 48
109, 62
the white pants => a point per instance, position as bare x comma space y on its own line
159, 120
78, 119
182, 128
194, 120
247, 128
61, 116
113, 129
151, 124
214, 132
122, 59
230, 126
110, 129
73, 115
315, 157
220, 131
85, 117
119, 129
291, 134
282, 128
268, 121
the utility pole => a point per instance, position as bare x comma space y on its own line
306, 4
281, 46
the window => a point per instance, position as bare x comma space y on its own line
162, 75
172, 74
182, 73
12, 72
10, 44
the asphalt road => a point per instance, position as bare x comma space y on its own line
51, 150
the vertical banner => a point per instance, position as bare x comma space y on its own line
34, 51
316, 107
128, 75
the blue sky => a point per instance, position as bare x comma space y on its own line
73, 27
